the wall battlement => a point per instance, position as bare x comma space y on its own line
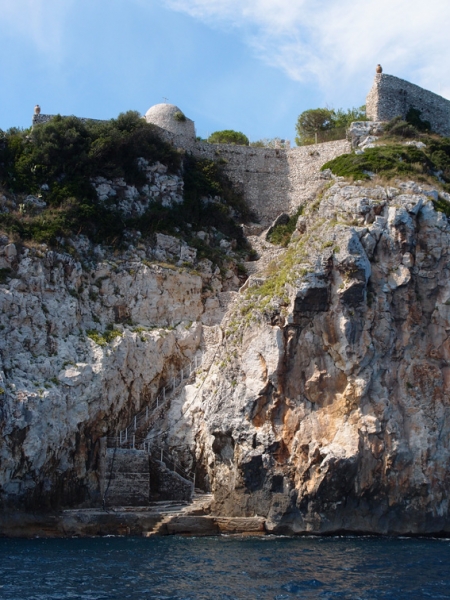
390, 97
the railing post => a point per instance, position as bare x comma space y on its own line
135, 423
126, 434
134, 437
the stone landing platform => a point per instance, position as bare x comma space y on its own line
159, 518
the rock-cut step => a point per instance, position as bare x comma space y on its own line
172, 511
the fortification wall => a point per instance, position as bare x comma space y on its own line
40, 119
390, 97
272, 180
305, 162
261, 174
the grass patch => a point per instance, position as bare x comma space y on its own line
442, 205
102, 339
281, 234
392, 159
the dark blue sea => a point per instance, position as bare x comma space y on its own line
230, 568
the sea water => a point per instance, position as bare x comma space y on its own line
189, 568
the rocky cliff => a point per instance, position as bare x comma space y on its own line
90, 333
327, 405
322, 400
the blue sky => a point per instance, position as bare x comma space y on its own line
249, 65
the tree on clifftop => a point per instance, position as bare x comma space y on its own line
228, 136
328, 123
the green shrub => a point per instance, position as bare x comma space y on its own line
64, 154
228, 136
179, 116
103, 339
442, 205
326, 123
413, 117
281, 234
393, 160
400, 128
389, 161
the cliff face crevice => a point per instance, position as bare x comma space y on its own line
337, 417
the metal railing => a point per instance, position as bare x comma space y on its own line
127, 437
131, 438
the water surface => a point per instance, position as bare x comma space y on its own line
182, 568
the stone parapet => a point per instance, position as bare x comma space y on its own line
391, 97
40, 119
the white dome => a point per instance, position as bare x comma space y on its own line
165, 116
162, 111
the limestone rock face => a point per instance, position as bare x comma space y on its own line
83, 348
327, 406
133, 202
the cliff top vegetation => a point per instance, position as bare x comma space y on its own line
327, 124
57, 161
407, 149
228, 136
426, 159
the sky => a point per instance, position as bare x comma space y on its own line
248, 65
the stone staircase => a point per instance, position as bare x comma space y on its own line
128, 452
135, 478
127, 480
172, 512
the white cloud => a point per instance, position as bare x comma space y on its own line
332, 41
40, 22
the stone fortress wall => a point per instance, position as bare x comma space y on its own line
272, 180
391, 97
40, 119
